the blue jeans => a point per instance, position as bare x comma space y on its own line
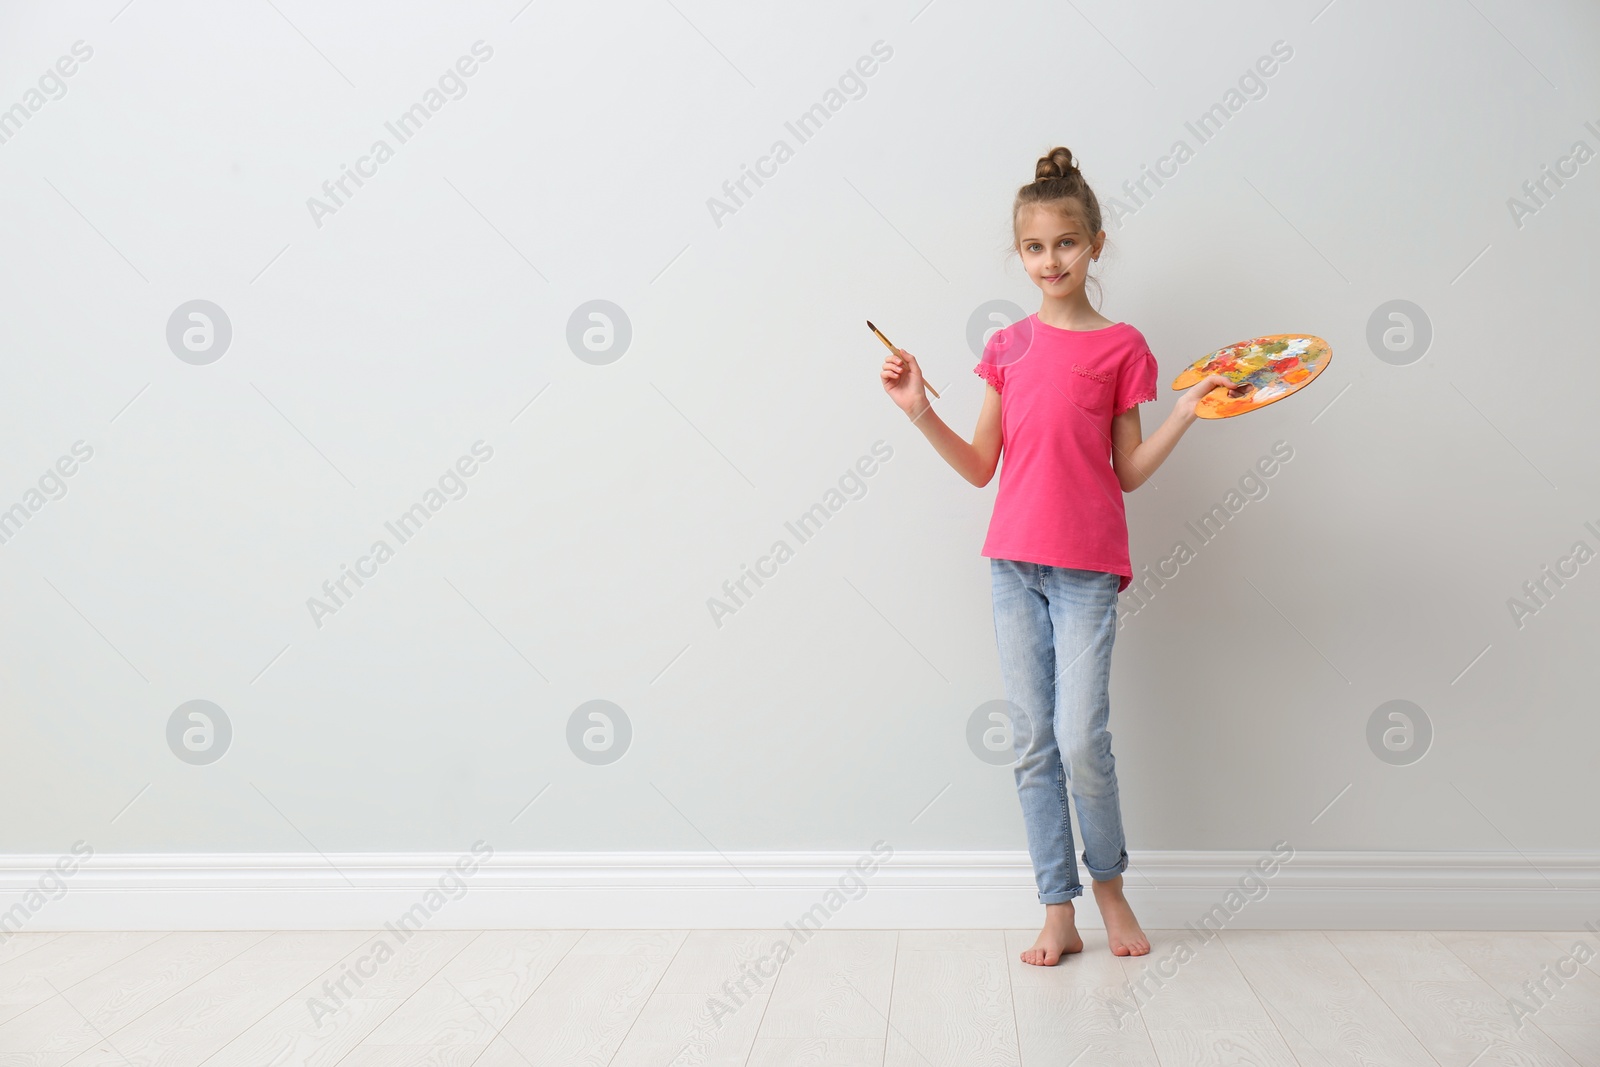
1055, 627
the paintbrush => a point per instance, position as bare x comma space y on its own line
885, 340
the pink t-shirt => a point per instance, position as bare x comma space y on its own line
1059, 502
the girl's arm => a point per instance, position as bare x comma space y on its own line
976, 462
1135, 459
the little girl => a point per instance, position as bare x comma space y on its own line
1062, 400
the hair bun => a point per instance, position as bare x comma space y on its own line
1057, 164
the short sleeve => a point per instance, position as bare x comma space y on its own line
990, 368
1136, 381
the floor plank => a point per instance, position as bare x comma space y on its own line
951, 1001
1076, 1024
1582, 1043
1565, 940
116, 995
1185, 983
582, 1011
730, 962
1527, 968
334, 1012
411, 1056
1400, 956
35, 977
14, 944
830, 1004
1222, 1048
478, 991
193, 1024
1328, 1009
683, 1028
1467, 1022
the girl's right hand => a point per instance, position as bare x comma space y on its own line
1192, 396
902, 380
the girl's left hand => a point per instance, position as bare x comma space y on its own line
1192, 395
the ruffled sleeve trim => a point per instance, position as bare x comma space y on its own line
990, 373
1138, 381
1135, 402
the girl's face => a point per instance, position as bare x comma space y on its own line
1057, 250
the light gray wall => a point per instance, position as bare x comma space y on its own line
431, 311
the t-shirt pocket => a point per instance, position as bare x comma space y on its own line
1090, 389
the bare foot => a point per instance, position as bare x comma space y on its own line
1058, 938
1122, 929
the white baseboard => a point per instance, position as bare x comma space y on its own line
767, 890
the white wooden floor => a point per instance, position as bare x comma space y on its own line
915, 997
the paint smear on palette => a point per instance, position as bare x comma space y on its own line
1263, 370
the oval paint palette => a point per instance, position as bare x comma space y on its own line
1263, 369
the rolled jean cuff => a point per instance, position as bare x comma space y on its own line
1061, 897
1107, 875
